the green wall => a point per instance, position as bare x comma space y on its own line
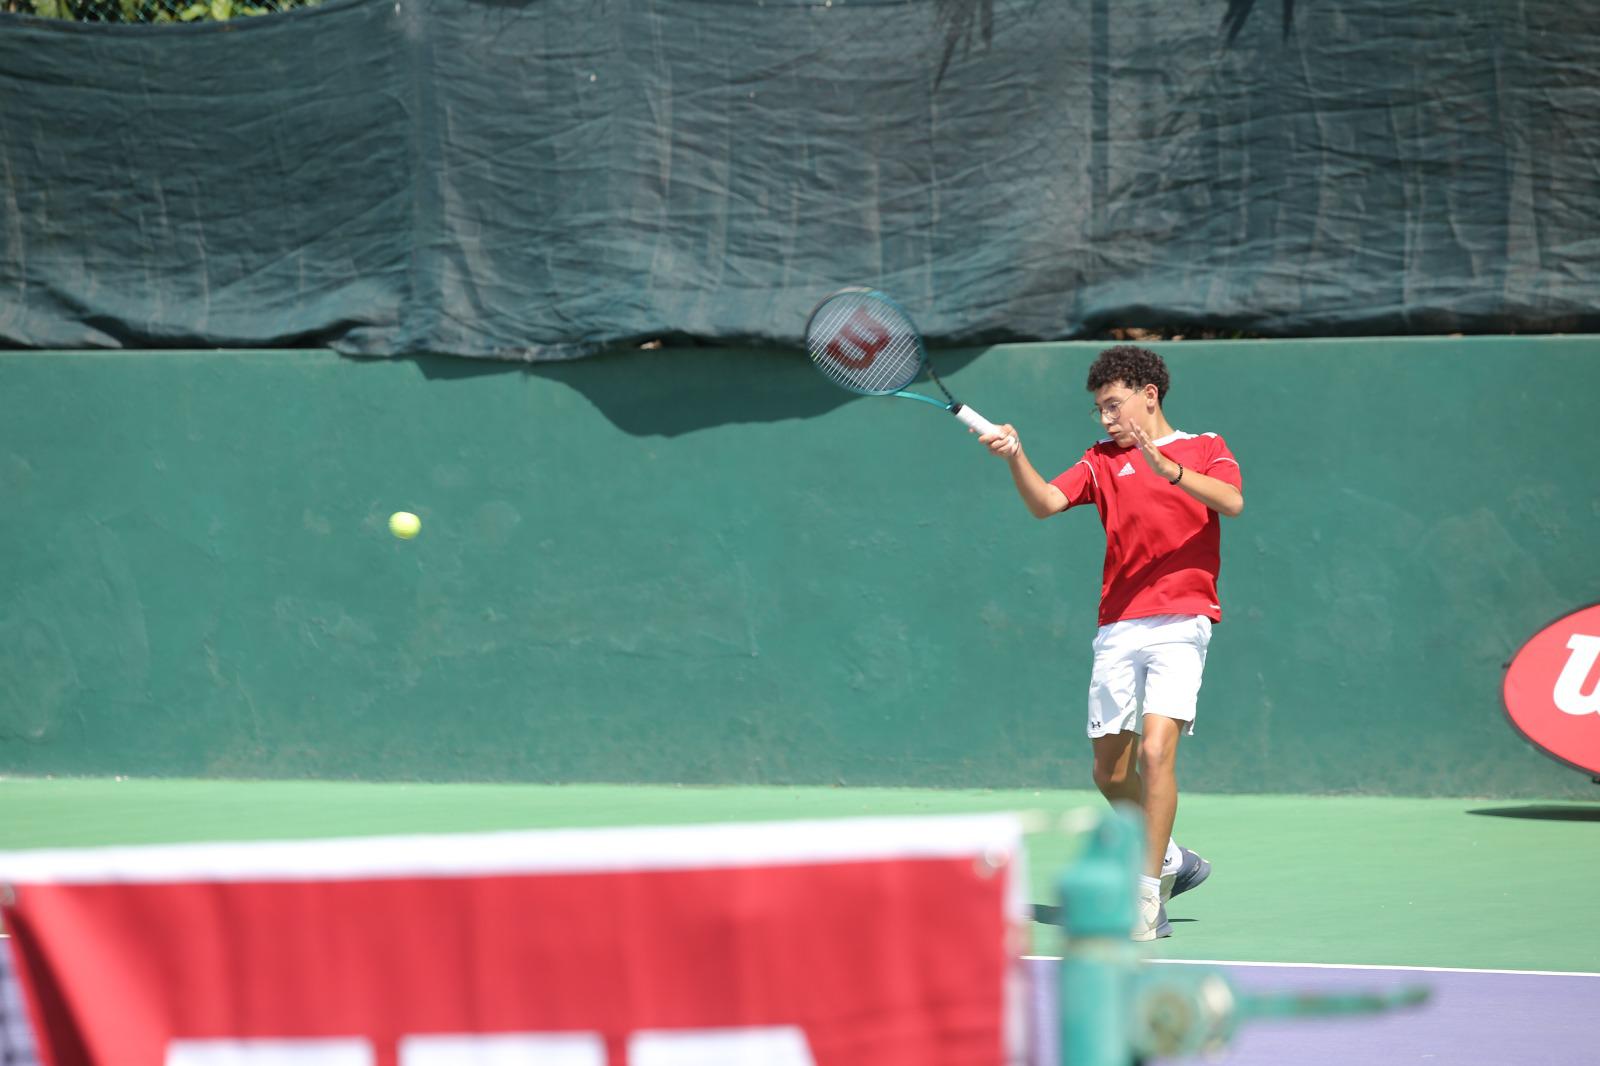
705, 565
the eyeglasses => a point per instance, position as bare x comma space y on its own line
1110, 411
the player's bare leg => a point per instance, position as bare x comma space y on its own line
1122, 767
1143, 772
1116, 768
1158, 773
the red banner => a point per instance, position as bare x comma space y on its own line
1552, 689
856, 943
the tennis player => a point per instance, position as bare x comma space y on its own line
1160, 493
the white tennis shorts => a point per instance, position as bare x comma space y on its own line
1147, 666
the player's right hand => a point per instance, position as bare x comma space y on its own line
1004, 442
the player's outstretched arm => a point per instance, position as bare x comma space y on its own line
1218, 495
1041, 498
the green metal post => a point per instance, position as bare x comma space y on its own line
1098, 958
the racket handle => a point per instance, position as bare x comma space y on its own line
973, 420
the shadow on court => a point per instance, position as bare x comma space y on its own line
1050, 914
1545, 812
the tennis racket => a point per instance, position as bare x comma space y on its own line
862, 340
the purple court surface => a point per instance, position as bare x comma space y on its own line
1473, 1018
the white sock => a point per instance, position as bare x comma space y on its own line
1174, 858
1149, 886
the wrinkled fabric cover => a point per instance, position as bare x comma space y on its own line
545, 178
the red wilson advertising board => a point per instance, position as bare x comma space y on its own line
870, 942
1552, 689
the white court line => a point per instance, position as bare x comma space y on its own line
1348, 966
528, 852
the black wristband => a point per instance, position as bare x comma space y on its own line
1179, 478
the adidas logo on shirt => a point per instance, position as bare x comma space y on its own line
1127, 468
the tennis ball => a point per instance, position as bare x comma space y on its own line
404, 524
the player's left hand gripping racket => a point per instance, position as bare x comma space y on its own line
867, 343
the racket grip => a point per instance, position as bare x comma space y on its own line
973, 420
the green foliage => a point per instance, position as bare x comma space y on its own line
150, 11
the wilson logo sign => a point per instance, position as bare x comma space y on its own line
1552, 690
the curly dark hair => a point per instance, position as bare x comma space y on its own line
1135, 367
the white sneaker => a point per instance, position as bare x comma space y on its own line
1150, 917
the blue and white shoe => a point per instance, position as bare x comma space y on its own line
1189, 874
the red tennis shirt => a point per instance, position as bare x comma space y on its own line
1163, 547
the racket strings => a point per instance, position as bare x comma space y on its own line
864, 344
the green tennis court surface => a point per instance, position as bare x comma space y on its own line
1490, 884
